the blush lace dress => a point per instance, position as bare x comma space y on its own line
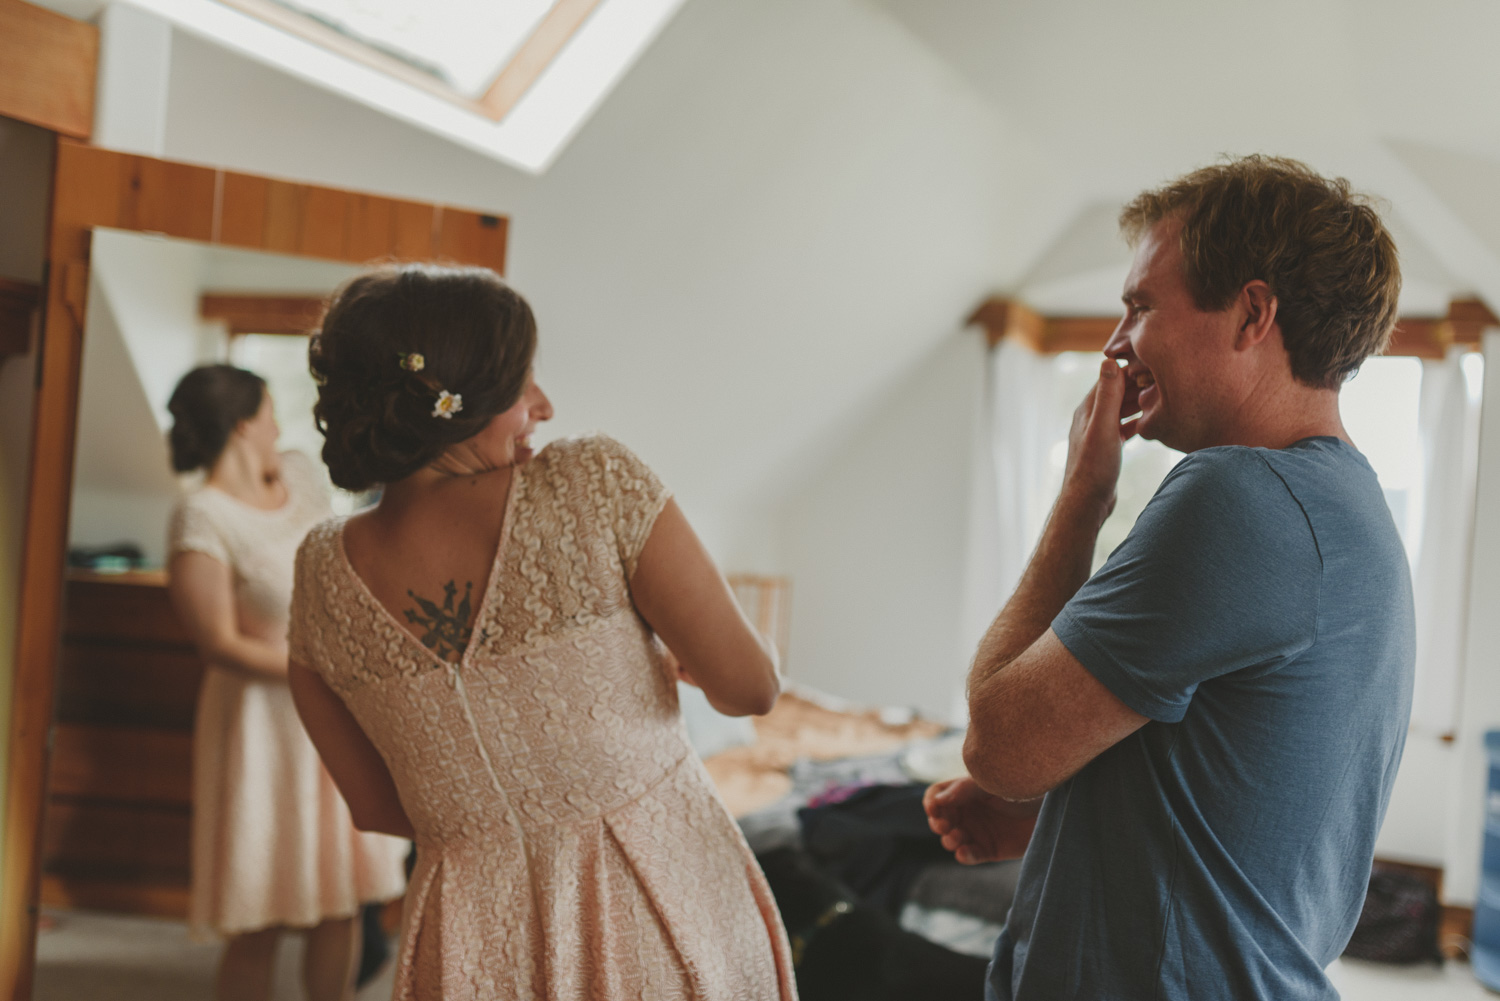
272, 840
570, 844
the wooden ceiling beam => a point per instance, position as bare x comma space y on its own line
534, 56
1415, 336
47, 68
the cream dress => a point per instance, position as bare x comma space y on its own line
272, 840
569, 842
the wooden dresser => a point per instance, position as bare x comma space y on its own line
119, 808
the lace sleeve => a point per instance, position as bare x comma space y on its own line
305, 598
635, 495
192, 530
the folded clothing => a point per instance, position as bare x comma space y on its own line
983, 891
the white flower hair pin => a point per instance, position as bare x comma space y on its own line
447, 405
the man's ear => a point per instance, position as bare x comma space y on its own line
1257, 315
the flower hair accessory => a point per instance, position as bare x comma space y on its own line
447, 405
412, 362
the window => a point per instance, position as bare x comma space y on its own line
1381, 411
1381, 407
1143, 464
282, 361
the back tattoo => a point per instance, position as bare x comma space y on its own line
447, 628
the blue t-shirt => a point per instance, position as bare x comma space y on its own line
1260, 613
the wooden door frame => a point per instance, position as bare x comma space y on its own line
91, 188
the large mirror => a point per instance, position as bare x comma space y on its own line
116, 855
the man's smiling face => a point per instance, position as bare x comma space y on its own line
1179, 360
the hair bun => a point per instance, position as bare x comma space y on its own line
475, 337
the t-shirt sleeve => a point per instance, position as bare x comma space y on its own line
1220, 574
192, 530
634, 496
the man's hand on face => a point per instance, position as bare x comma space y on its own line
977, 826
1096, 438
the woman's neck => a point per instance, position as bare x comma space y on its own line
249, 475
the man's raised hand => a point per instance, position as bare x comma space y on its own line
1095, 440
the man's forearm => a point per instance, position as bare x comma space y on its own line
1058, 568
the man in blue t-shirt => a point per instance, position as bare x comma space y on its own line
1195, 746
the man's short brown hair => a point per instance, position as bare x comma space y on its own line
1322, 249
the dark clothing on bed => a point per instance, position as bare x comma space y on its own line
875, 841
1260, 614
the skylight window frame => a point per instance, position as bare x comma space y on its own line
539, 126
527, 63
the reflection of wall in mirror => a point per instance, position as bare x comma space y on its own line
143, 331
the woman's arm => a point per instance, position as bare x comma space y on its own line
681, 594
202, 592
356, 766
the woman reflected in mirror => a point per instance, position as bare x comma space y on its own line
273, 845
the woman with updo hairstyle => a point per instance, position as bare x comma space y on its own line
273, 845
481, 659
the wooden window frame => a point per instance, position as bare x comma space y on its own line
557, 27
1415, 336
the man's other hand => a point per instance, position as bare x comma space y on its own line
977, 826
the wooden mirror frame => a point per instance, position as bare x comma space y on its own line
98, 188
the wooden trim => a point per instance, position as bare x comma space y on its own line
1414, 336
95, 187
50, 63
18, 305
264, 314
1469, 318
1002, 318
535, 55
153, 899
1456, 932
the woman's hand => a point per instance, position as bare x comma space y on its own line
977, 826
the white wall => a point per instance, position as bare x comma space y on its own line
877, 543
782, 208
141, 335
26, 167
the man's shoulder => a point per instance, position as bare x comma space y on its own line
1233, 486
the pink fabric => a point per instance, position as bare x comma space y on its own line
570, 844
272, 840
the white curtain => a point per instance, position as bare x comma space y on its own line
1449, 430
1023, 434
1012, 492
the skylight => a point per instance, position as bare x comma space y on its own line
514, 79
463, 43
